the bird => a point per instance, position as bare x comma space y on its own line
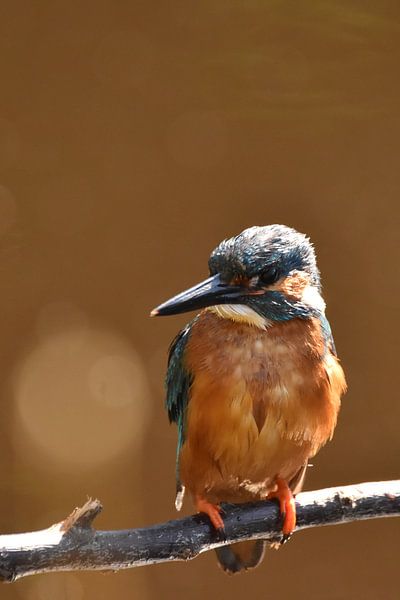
253, 381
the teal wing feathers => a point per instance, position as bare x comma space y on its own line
178, 382
327, 333
178, 379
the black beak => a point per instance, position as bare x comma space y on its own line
207, 293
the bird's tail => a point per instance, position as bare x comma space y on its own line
241, 556
248, 555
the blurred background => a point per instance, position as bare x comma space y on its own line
134, 136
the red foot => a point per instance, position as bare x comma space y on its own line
212, 510
286, 504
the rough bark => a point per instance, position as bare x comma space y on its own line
73, 544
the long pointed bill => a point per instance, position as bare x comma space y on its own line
207, 293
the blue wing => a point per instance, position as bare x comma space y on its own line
328, 337
178, 382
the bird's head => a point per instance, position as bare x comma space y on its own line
262, 275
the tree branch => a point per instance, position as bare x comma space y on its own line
74, 545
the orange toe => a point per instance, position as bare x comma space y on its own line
212, 510
286, 504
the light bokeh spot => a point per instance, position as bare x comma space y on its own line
114, 380
81, 395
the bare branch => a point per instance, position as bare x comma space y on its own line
74, 545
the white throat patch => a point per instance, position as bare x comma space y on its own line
313, 298
240, 313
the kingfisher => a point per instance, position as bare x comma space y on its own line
253, 382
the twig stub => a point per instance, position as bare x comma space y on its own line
82, 516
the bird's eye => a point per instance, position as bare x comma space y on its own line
268, 275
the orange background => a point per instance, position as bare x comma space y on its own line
134, 136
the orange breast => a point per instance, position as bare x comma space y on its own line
262, 402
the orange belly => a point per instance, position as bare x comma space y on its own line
262, 402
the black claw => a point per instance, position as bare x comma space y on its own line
220, 534
285, 538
